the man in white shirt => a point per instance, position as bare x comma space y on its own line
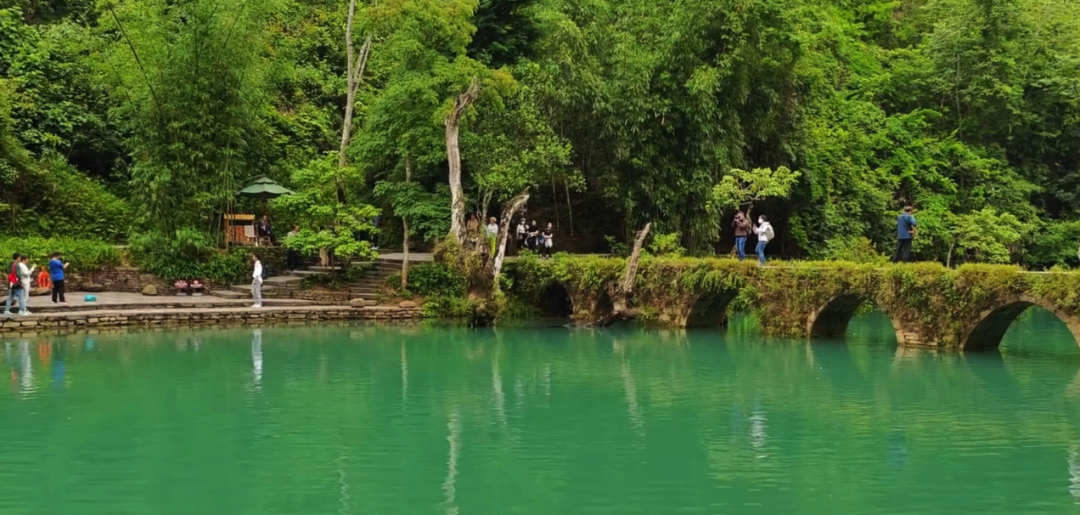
26, 274
256, 282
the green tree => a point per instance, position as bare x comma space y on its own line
741, 189
327, 222
986, 236
188, 83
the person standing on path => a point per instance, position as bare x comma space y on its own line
547, 235
257, 281
26, 277
532, 237
906, 229
764, 233
56, 273
742, 230
14, 286
520, 234
292, 257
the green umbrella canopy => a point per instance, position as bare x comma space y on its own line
263, 187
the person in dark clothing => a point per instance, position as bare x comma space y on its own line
292, 257
906, 229
56, 274
264, 228
742, 230
532, 239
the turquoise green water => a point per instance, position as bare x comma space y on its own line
436, 420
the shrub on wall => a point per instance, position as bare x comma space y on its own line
190, 254
84, 255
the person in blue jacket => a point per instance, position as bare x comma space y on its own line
56, 274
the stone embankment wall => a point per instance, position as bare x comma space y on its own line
319, 296
61, 322
121, 278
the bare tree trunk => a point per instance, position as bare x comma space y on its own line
620, 294
555, 200
504, 233
485, 203
453, 156
405, 232
948, 260
569, 208
627, 286
354, 72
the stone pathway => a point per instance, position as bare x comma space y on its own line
126, 301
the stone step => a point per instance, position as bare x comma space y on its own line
306, 273
227, 294
246, 288
283, 281
363, 290
364, 295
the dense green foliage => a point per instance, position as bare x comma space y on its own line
83, 255
441, 287
148, 116
189, 254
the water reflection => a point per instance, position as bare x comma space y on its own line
628, 422
759, 436
1074, 471
26, 369
256, 359
59, 369
449, 485
404, 374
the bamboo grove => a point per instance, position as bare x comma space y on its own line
137, 120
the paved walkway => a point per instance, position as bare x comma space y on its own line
122, 301
413, 256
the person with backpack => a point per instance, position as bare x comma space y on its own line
765, 234
906, 229
257, 281
14, 286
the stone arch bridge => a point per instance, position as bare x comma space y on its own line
929, 305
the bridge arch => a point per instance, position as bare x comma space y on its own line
992, 324
554, 300
831, 320
709, 309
